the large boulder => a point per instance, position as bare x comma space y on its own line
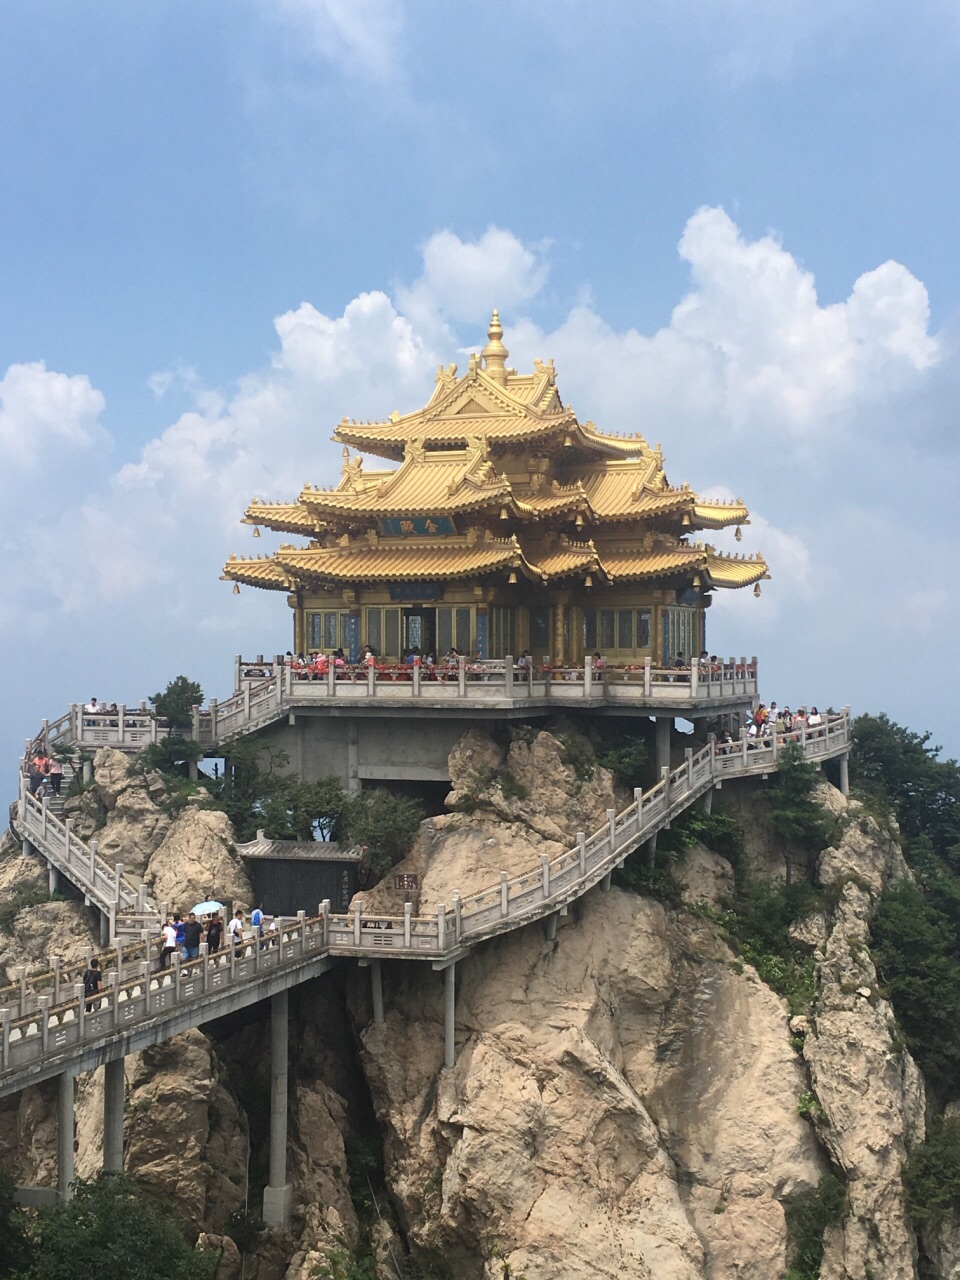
196, 860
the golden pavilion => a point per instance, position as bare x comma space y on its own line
508, 526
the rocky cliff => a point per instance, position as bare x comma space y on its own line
629, 1099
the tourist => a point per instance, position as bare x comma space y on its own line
168, 943
235, 928
256, 923
92, 708
815, 721
214, 933
724, 743
56, 776
92, 982
179, 928
192, 932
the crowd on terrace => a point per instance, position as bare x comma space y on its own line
317, 666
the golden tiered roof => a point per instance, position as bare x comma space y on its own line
496, 475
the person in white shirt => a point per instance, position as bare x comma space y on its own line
92, 708
235, 928
169, 943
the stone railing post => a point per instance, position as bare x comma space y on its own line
93, 863
545, 874
43, 1004
408, 925
694, 676
744, 744
302, 925
462, 676
246, 702
121, 717
331, 679
647, 678
417, 673
587, 676
372, 680
582, 849
78, 995
504, 894
357, 926
508, 675
457, 915
57, 963
205, 965
688, 754
5, 1016
194, 723
325, 921
612, 824
441, 928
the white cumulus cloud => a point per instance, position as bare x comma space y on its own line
42, 411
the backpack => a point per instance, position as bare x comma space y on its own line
257, 918
91, 982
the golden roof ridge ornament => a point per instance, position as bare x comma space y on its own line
494, 354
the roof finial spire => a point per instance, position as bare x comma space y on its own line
494, 354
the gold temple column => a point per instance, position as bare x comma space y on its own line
560, 601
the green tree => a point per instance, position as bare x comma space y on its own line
903, 770
15, 1249
294, 810
171, 754
915, 947
795, 815
931, 1175
386, 824
112, 1228
176, 703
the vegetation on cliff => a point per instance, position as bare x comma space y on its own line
111, 1227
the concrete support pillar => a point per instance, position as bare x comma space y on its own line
193, 770
113, 1089
552, 926
652, 850
449, 1015
353, 758
65, 1137
845, 774
277, 1195
708, 801
376, 988
104, 930
664, 728
606, 882
53, 878
87, 771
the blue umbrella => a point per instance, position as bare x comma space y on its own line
207, 908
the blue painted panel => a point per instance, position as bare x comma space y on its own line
351, 626
482, 634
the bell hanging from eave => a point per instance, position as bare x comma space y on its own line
236, 588
756, 591
256, 531
738, 534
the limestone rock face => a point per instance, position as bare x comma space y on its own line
623, 1105
45, 930
541, 810
135, 824
184, 1133
870, 1090
705, 876
197, 860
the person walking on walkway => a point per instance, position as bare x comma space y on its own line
55, 776
256, 922
235, 928
214, 934
92, 982
168, 944
192, 933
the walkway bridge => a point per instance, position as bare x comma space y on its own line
48, 1029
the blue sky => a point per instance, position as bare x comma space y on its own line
222, 227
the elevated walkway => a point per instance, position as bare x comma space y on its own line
46, 1029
